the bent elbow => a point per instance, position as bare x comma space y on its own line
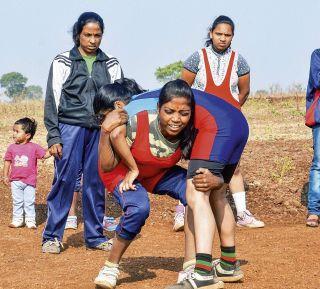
106, 168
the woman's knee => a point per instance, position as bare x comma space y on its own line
133, 220
197, 198
138, 214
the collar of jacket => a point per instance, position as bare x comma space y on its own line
75, 55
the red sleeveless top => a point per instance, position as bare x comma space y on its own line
151, 168
223, 90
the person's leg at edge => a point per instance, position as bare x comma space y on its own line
314, 181
136, 209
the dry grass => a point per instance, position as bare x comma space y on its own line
271, 119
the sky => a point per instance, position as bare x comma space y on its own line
275, 37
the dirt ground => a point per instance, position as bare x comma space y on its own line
284, 254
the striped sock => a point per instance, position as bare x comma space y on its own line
228, 257
203, 264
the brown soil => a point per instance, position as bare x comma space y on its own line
285, 254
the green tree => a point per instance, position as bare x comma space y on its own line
169, 72
33, 92
14, 84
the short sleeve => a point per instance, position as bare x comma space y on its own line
8, 156
40, 151
243, 66
192, 63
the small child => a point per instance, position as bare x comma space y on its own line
20, 161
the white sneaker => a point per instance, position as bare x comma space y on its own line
246, 219
179, 218
52, 246
31, 224
18, 223
72, 223
186, 273
108, 277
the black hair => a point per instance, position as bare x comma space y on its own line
219, 20
84, 18
28, 125
121, 90
180, 88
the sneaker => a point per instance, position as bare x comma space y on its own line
234, 274
246, 219
31, 224
104, 246
187, 271
107, 277
16, 223
52, 246
179, 219
198, 281
109, 223
72, 223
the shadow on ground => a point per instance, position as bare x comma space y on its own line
304, 195
41, 213
141, 268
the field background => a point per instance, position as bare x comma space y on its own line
275, 166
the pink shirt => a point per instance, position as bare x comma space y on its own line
23, 158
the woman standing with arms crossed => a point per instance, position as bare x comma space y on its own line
219, 70
73, 133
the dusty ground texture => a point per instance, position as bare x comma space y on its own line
275, 164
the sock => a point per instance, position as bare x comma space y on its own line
240, 202
111, 265
228, 257
72, 217
203, 264
188, 264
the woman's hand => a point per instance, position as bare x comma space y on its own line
114, 119
127, 183
56, 150
205, 181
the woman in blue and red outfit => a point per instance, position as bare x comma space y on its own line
220, 140
157, 139
219, 70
